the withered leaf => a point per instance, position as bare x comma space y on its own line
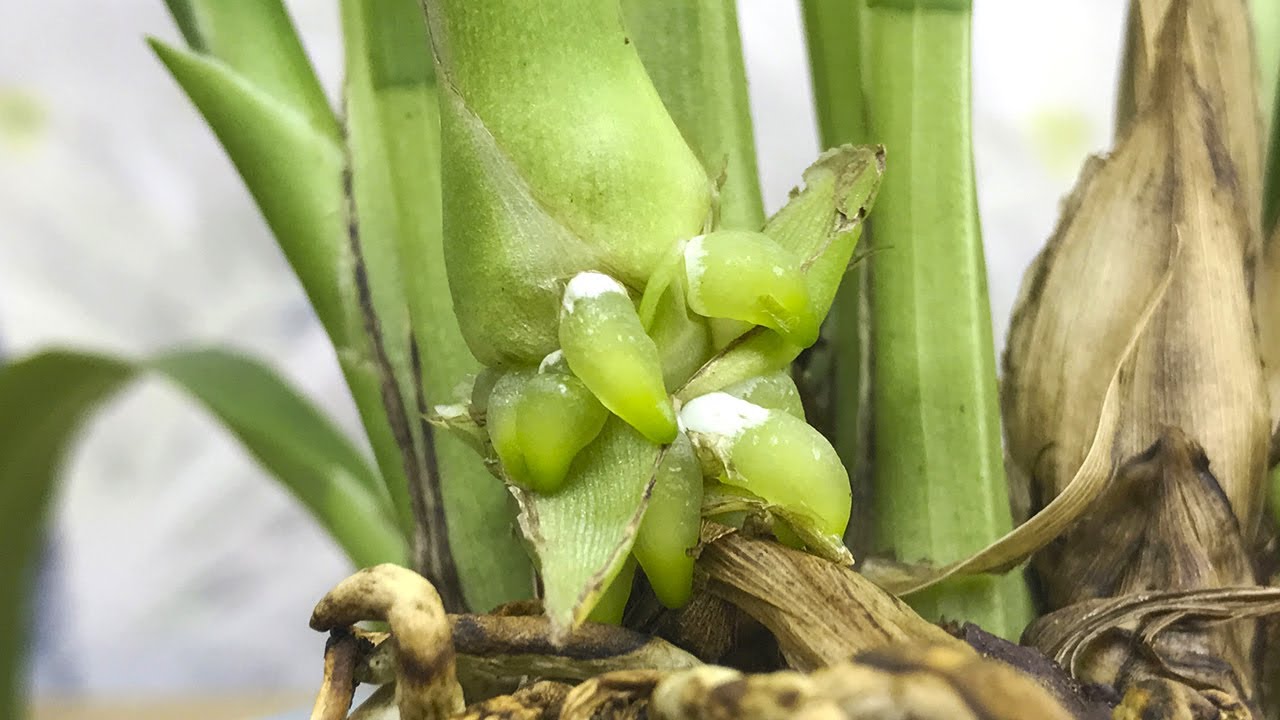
921, 682
1168, 199
622, 695
540, 701
1174, 530
819, 611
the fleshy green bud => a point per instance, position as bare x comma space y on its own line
747, 276
774, 455
557, 417
672, 524
606, 346
502, 423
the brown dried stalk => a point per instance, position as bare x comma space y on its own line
820, 612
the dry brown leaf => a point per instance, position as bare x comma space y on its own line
1178, 197
820, 612
494, 651
539, 701
1220, 53
1068, 635
1175, 531
1168, 199
1267, 312
1086, 484
924, 683
619, 695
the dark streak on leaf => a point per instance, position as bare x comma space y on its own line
432, 557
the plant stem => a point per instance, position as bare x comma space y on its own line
693, 54
940, 488
833, 29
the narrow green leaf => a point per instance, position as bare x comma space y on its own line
294, 172
258, 41
940, 489
44, 398
693, 54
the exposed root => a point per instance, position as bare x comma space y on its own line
426, 673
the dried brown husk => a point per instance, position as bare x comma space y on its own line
820, 612
1170, 179
1177, 198
1174, 531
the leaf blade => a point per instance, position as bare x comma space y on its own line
44, 398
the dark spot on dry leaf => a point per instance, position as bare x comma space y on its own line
1224, 170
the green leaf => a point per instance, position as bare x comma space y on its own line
693, 54
583, 534
45, 397
294, 172
257, 40
940, 489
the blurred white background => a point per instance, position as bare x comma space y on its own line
175, 564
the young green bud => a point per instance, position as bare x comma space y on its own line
672, 524
606, 346
773, 454
747, 276
502, 423
557, 417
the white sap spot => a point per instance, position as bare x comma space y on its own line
553, 358
722, 414
777, 271
451, 412
694, 254
589, 285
